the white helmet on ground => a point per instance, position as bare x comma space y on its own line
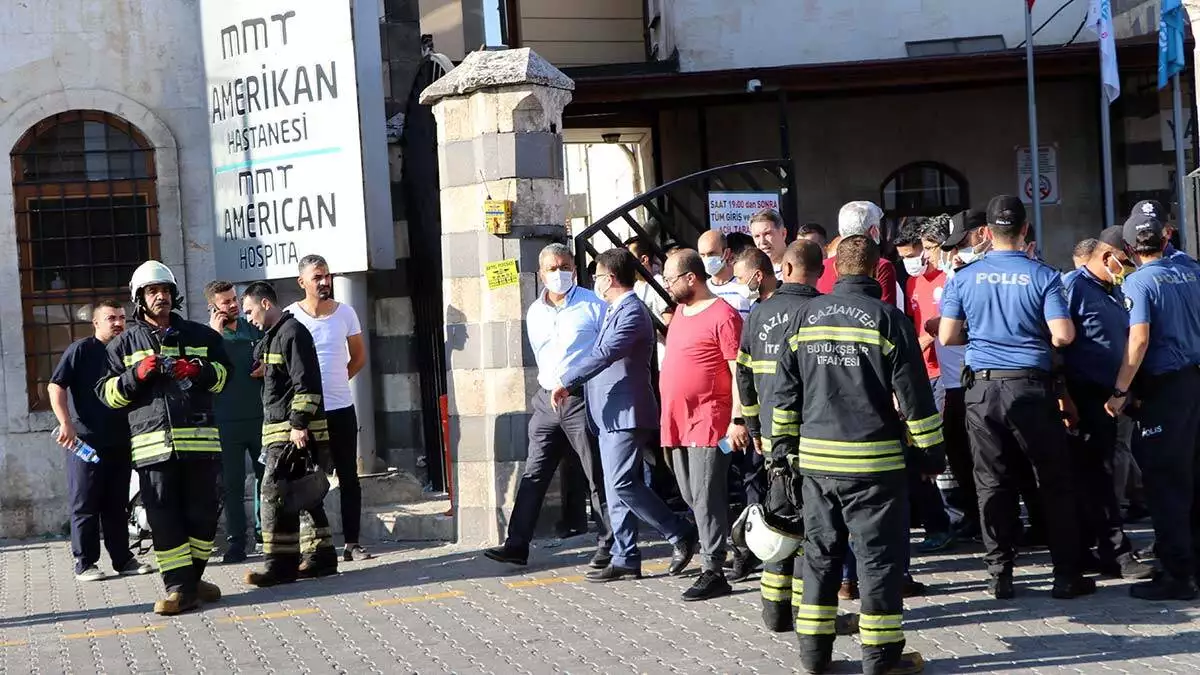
150, 273
769, 544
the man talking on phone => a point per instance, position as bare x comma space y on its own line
239, 414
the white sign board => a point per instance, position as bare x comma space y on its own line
731, 211
284, 126
1047, 165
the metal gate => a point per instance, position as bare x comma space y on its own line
681, 209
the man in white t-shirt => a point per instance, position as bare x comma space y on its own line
718, 265
341, 352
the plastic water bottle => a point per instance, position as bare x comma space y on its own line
82, 450
725, 446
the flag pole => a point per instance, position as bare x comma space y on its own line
1035, 154
1106, 150
1180, 180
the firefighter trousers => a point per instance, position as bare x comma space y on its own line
283, 544
781, 582
873, 510
182, 498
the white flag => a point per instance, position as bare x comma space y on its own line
1100, 21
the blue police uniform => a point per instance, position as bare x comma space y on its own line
1090, 366
1006, 300
1165, 294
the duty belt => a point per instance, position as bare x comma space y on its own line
994, 374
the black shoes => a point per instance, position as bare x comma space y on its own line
1164, 587
912, 588
236, 554
1068, 588
613, 573
601, 559
1000, 587
684, 551
708, 585
1126, 566
744, 564
508, 554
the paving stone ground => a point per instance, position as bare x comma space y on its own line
431, 609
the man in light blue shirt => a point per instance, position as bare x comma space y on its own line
562, 324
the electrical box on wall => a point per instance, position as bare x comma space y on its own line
497, 215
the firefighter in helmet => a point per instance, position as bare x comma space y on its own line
164, 371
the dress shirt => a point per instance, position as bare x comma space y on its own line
561, 335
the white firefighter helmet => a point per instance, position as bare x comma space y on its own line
769, 544
150, 273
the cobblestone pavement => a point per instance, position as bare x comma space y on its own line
445, 609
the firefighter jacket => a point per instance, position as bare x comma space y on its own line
291, 385
166, 418
764, 337
850, 359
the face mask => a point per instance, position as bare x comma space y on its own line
967, 255
560, 281
713, 264
1117, 277
751, 290
915, 266
602, 286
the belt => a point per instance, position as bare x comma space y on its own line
994, 374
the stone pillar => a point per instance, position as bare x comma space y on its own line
499, 117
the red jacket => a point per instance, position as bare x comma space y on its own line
885, 274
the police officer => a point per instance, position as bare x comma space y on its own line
849, 356
1011, 395
764, 337
1090, 366
1163, 300
1155, 209
164, 370
293, 423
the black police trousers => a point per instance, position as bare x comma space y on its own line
282, 543
1009, 421
182, 498
874, 511
1166, 425
782, 583
1094, 447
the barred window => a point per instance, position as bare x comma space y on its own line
86, 216
924, 189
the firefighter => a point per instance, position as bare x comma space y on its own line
293, 422
763, 338
164, 370
849, 356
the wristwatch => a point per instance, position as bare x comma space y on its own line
1117, 393
740, 421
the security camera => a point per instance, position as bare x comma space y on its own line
753, 86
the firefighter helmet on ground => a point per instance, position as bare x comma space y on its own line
150, 273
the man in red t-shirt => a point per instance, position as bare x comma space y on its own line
698, 400
855, 219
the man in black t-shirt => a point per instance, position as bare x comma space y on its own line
98, 491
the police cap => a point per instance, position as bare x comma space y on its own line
1150, 207
960, 225
1006, 211
1138, 225
1113, 236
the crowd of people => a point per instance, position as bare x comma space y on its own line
189, 405
836, 396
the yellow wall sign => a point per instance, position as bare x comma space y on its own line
502, 273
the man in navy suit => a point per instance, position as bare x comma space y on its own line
615, 376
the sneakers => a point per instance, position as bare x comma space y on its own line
743, 566
236, 554
89, 573
848, 591
708, 585
1000, 587
135, 568
355, 553
175, 603
1164, 587
1126, 566
938, 541
1069, 588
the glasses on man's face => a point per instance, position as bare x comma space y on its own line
670, 281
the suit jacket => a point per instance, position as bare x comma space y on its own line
616, 374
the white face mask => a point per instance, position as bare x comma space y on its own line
915, 266
713, 264
560, 281
967, 255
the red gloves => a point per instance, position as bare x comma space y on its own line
185, 369
147, 368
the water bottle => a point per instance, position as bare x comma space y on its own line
82, 450
168, 369
725, 446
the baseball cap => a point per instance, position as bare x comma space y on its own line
962, 223
1150, 207
1139, 223
1005, 211
1113, 236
